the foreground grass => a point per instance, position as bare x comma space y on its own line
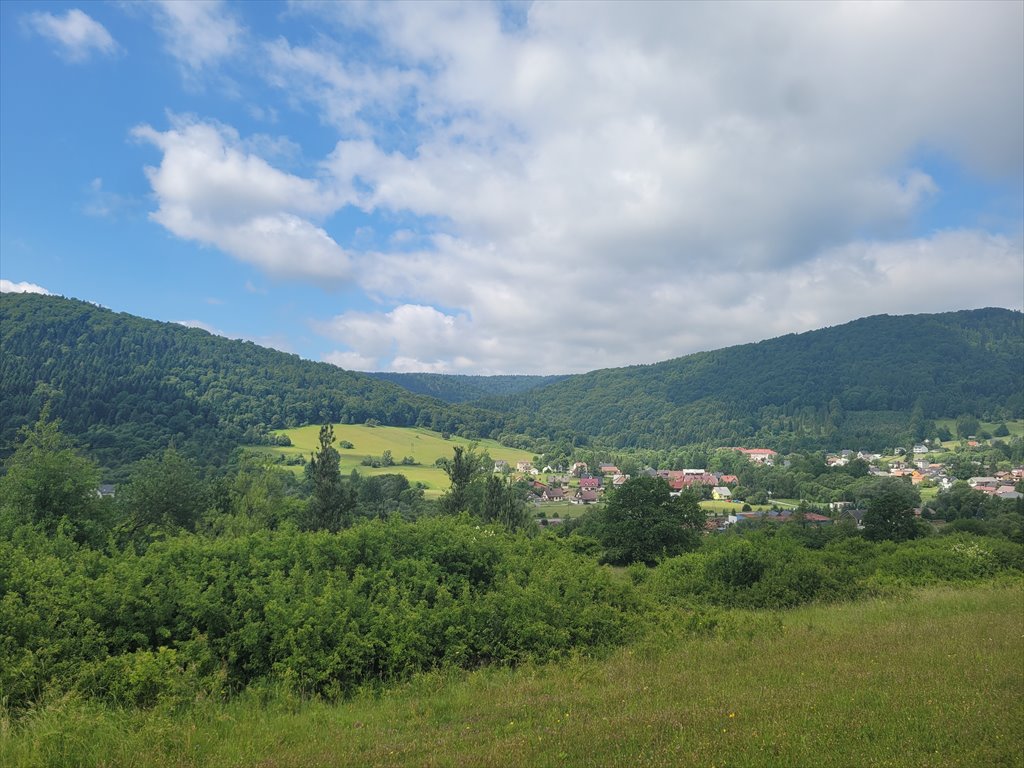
935, 679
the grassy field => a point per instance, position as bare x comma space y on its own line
730, 507
423, 445
1015, 428
934, 679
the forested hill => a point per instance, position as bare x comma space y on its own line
125, 387
464, 389
868, 383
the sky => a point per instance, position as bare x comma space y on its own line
531, 188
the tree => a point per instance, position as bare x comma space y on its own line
890, 514
967, 425
332, 504
47, 481
165, 492
504, 503
464, 467
642, 522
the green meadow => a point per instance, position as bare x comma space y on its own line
1014, 426
932, 678
423, 445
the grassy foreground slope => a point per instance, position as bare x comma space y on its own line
934, 679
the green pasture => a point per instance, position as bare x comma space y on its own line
1014, 426
423, 445
730, 507
929, 680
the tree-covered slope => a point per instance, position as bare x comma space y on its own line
866, 383
125, 387
464, 389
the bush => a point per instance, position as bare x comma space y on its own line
320, 613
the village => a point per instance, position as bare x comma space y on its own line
922, 466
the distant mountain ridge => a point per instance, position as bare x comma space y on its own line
866, 383
125, 387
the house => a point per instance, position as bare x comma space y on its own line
523, 466
590, 483
758, 455
106, 491
578, 469
619, 480
609, 469
553, 494
584, 497
816, 519
721, 493
500, 465
920, 449
729, 480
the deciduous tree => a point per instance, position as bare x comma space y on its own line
643, 522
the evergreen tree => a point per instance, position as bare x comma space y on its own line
503, 503
463, 468
332, 505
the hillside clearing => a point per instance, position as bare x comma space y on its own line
422, 445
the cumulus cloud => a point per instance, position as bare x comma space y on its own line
599, 184
623, 184
212, 190
408, 338
8, 286
77, 35
198, 33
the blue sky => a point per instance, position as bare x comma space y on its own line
513, 187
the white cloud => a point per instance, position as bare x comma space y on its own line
76, 33
410, 337
198, 33
615, 183
621, 184
210, 189
7, 286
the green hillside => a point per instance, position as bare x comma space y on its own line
125, 387
464, 389
866, 384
